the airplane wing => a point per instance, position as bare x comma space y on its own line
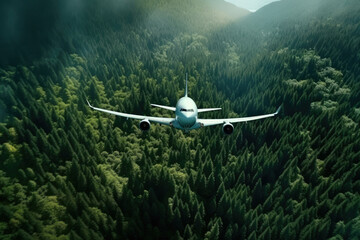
161, 120
211, 122
208, 109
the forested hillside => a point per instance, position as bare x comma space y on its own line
67, 172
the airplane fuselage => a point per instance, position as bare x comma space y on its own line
186, 114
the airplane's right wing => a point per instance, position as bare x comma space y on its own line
211, 122
161, 120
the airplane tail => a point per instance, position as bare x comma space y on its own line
186, 85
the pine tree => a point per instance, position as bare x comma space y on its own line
199, 224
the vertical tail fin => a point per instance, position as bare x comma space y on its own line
186, 88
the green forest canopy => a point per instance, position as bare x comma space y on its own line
67, 172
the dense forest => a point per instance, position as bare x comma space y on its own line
67, 172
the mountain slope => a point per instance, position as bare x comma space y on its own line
30, 32
276, 13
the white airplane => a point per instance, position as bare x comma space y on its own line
186, 116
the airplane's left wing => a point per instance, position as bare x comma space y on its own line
161, 120
211, 122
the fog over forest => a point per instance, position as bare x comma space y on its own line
251, 5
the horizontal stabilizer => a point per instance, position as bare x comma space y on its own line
164, 107
208, 109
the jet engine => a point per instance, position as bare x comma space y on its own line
144, 125
228, 128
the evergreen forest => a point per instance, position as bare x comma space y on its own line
68, 172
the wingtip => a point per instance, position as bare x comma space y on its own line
88, 103
278, 110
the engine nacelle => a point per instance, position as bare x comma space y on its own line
228, 128
144, 125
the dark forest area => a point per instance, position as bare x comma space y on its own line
67, 172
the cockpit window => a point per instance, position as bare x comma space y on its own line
186, 110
